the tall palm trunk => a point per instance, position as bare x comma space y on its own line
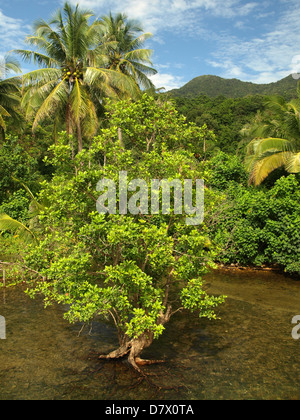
68, 120
79, 137
69, 128
70, 117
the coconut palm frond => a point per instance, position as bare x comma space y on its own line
263, 167
9, 91
41, 76
111, 81
18, 229
271, 143
37, 58
51, 103
280, 147
37, 206
293, 163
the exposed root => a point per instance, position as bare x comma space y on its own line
135, 363
143, 362
132, 349
122, 351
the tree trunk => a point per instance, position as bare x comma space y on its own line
120, 137
137, 346
134, 347
79, 137
69, 128
68, 120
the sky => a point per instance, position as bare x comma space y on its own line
256, 41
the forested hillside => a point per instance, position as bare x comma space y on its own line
225, 116
213, 86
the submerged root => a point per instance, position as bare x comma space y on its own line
116, 354
143, 362
135, 363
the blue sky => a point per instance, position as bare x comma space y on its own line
256, 41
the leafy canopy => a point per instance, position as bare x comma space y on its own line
136, 270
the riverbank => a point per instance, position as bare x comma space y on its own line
250, 268
254, 269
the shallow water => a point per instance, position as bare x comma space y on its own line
248, 354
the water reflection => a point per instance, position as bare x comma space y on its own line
248, 354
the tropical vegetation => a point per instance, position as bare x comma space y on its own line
90, 111
77, 70
276, 139
9, 92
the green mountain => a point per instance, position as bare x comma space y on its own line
213, 86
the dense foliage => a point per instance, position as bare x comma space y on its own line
225, 116
255, 227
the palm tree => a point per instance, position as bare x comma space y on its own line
122, 41
9, 91
275, 139
70, 81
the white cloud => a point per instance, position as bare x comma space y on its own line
167, 81
265, 58
169, 65
161, 15
12, 32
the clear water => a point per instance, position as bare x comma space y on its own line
248, 354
